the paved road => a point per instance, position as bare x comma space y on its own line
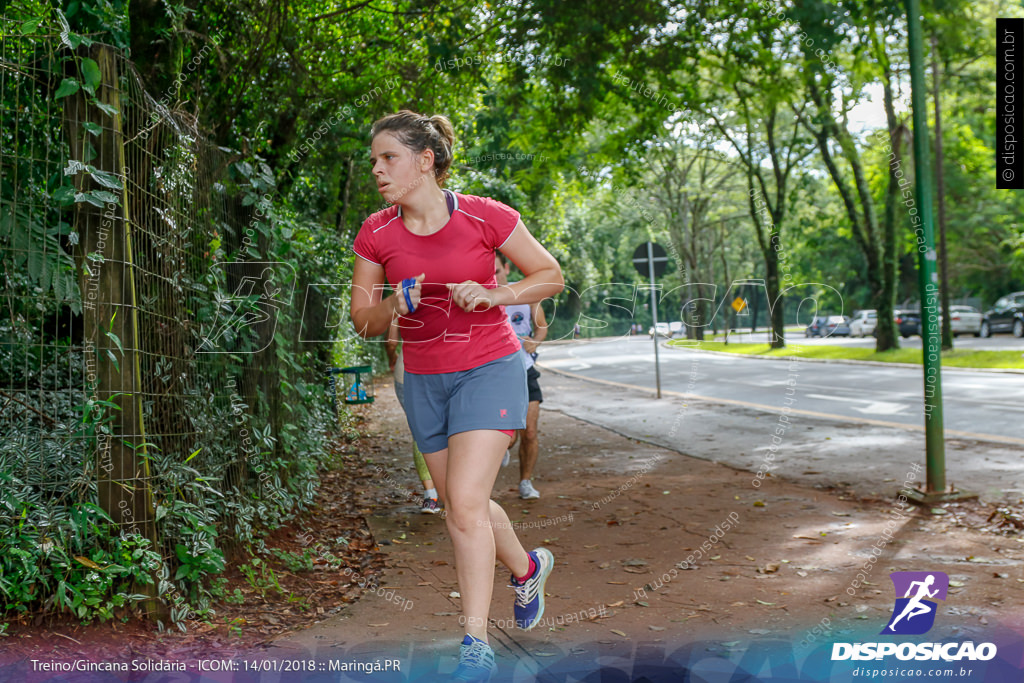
818, 423
977, 405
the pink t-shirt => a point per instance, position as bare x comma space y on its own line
440, 336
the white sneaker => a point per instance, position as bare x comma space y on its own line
526, 490
508, 456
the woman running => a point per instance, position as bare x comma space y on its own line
465, 383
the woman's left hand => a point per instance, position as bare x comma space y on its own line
471, 296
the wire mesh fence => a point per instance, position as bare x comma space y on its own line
143, 343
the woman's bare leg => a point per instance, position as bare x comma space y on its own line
479, 528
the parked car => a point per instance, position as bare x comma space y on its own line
908, 321
964, 320
667, 329
837, 326
816, 328
1006, 315
863, 323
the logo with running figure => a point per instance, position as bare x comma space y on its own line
914, 612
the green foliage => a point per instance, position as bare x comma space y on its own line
48, 468
72, 564
260, 576
295, 562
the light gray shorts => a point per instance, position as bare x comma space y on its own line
491, 396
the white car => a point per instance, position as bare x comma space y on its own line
964, 320
667, 329
863, 323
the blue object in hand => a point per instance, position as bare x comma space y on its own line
406, 284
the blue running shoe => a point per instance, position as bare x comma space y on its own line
529, 606
476, 660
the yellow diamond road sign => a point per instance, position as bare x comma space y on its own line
739, 303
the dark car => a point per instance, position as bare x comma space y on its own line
1006, 315
908, 321
816, 328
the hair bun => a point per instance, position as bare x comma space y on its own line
444, 128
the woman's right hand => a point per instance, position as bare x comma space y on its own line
415, 293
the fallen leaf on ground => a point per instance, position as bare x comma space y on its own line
619, 633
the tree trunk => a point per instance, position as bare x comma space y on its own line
111, 345
885, 302
777, 336
859, 206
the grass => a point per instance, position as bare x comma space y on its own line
957, 358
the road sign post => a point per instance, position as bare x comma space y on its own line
650, 259
935, 448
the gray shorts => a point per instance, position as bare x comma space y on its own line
491, 396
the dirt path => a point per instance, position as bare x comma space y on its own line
663, 561
620, 516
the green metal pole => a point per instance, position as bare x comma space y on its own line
928, 280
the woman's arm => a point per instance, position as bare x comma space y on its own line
540, 328
371, 313
391, 346
543, 276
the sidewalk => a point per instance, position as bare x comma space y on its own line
659, 552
